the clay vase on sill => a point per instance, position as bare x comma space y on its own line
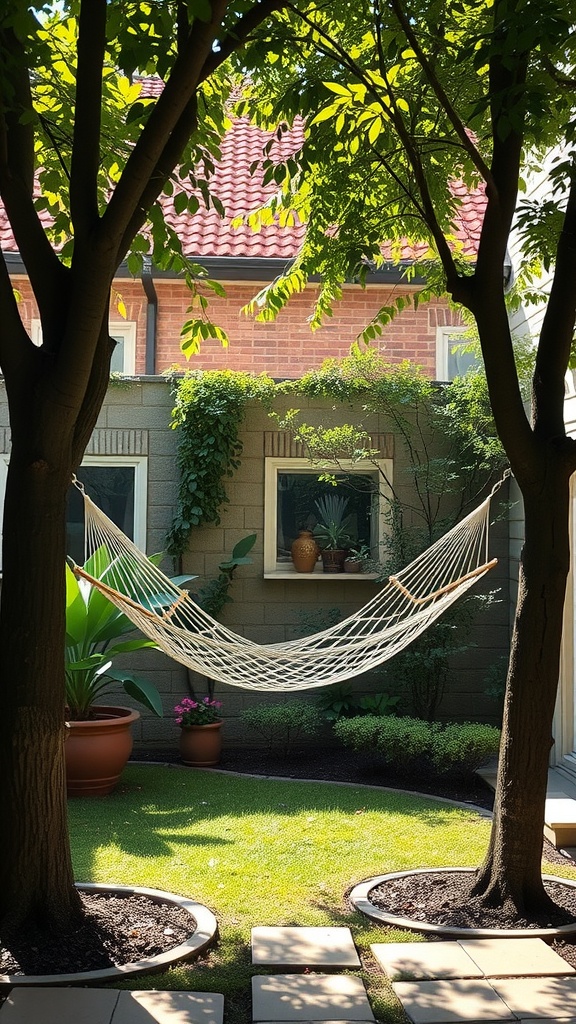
201, 745
304, 552
333, 559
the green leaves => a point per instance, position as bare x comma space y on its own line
92, 624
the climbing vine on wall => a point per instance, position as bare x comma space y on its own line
208, 412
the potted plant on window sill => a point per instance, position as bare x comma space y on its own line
332, 531
357, 559
200, 737
99, 736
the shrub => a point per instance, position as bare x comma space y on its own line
463, 747
282, 724
403, 743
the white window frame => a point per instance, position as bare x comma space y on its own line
446, 338
273, 569
125, 329
140, 464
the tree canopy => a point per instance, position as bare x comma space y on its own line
405, 102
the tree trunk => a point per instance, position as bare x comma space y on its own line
511, 872
36, 879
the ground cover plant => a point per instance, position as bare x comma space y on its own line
264, 852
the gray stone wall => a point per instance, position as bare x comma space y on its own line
135, 419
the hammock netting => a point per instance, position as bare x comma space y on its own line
404, 607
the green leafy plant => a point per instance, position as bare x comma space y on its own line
341, 702
462, 747
282, 724
333, 529
94, 628
209, 409
411, 744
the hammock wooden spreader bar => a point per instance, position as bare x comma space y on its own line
405, 605
443, 590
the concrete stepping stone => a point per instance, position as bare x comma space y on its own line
309, 997
105, 1006
419, 961
169, 1008
59, 1006
505, 958
451, 1002
304, 947
537, 997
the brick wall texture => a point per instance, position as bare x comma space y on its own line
285, 348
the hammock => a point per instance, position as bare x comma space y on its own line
404, 607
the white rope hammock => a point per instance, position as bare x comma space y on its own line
403, 608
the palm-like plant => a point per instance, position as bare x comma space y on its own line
93, 628
333, 529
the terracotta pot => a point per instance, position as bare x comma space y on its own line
201, 745
352, 566
333, 559
304, 552
97, 751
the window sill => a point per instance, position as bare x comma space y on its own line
291, 574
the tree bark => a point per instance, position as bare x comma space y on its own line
36, 879
512, 873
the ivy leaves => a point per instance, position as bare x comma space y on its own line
208, 413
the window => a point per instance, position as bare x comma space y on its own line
292, 487
118, 485
451, 360
124, 334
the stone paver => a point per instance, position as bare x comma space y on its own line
451, 1002
169, 1008
413, 961
538, 997
314, 997
59, 1006
105, 1006
504, 958
304, 947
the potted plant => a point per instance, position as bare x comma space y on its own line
357, 558
200, 737
99, 737
332, 531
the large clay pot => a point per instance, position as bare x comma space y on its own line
97, 751
201, 745
304, 552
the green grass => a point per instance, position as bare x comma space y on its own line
263, 852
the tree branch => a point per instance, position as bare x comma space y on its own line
188, 119
17, 176
557, 331
86, 141
15, 345
148, 152
441, 95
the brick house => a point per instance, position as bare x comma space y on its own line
133, 439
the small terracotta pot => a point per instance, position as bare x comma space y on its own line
352, 566
97, 750
333, 559
201, 745
304, 552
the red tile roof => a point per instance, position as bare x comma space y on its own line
206, 234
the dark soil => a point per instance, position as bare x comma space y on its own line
438, 897
117, 930
120, 930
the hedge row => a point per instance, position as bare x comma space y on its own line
408, 744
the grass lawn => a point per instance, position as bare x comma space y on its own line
262, 852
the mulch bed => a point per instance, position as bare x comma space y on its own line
117, 930
120, 930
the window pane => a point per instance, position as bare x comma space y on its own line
458, 360
117, 361
297, 494
112, 489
